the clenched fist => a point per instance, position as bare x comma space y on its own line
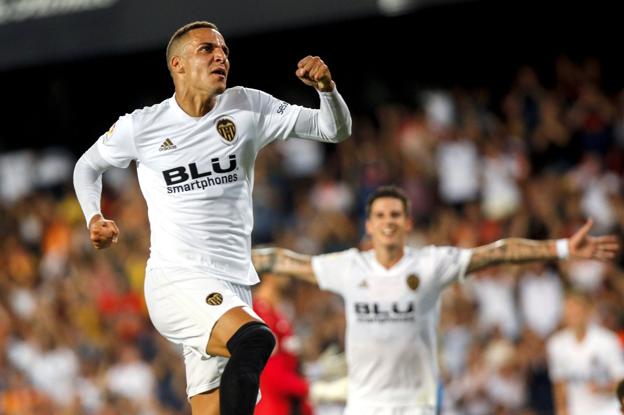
102, 232
313, 71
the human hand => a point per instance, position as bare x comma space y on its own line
592, 247
314, 72
102, 232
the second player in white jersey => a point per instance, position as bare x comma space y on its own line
392, 296
392, 317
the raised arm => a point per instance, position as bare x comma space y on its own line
283, 261
332, 121
518, 250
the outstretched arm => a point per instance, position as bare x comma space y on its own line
518, 250
283, 261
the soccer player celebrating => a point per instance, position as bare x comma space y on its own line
392, 296
195, 154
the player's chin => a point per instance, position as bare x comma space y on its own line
390, 241
220, 87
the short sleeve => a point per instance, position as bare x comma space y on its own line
117, 144
332, 270
555, 369
275, 118
450, 263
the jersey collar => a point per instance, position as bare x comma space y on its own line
180, 113
372, 259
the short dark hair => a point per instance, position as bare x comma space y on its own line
620, 391
181, 32
392, 191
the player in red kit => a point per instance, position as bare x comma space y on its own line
284, 390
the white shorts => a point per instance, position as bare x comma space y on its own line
184, 306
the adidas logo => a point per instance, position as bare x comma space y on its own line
167, 145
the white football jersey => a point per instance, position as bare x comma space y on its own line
196, 174
392, 316
598, 358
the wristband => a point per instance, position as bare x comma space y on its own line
563, 248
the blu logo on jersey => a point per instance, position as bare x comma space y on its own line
179, 175
394, 312
379, 309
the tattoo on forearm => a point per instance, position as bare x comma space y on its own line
282, 261
512, 251
291, 263
263, 259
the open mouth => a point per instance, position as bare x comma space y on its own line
219, 71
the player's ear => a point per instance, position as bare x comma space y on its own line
176, 64
409, 224
369, 227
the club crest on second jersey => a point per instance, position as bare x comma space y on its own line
413, 282
226, 129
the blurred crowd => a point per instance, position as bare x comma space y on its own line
533, 161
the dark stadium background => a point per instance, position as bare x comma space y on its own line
69, 102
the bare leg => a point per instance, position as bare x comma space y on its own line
206, 403
224, 329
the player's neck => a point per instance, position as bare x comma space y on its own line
388, 256
579, 333
195, 104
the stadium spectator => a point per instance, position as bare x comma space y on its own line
540, 295
585, 362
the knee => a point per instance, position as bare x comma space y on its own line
253, 338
